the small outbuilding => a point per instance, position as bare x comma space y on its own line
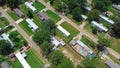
19, 13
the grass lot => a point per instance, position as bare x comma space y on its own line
33, 60
115, 44
46, 0
53, 16
88, 42
23, 8
13, 15
114, 11
38, 6
17, 64
70, 29
114, 59
24, 25
3, 22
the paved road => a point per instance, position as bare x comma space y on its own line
82, 31
23, 33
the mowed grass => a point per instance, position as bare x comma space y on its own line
73, 32
24, 25
115, 44
13, 15
24, 9
53, 16
3, 22
38, 6
33, 60
17, 64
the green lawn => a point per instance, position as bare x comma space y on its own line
38, 6
88, 42
46, 1
115, 44
24, 9
13, 15
53, 16
17, 64
33, 59
3, 22
24, 25
73, 32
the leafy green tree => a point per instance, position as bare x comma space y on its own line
66, 63
101, 4
29, 14
5, 47
79, 66
94, 30
46, 48
93, 14
49, 25
115, 1
104, 42
41, 36
77, 14
116, 28
56, 57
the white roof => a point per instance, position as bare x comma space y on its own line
106, 19
99, 26
29, 5
84, 17
6, 37
32, 24
23, 54
87, 8
84, 46
54, 41
22, 60
63, 31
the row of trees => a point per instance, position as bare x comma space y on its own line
42, 38
10, 3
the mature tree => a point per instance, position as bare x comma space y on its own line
79, 66
29, 14
115, 1
93, 14
66, 63
104, 42
5, 47
116, 28
46, 48
77, 14
94, 30
41, 36
49, 25
56, 57
101, 4
88, 63
2, 2
13, 3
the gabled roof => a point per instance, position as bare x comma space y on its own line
99, 26
63, 31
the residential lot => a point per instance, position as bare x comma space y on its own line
53, 16
33, 59
73, 32
3, 22
24, 25
38, 6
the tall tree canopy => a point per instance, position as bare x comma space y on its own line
5, 47
46, 48
93, 14
76, 12
101, 4
116, 28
